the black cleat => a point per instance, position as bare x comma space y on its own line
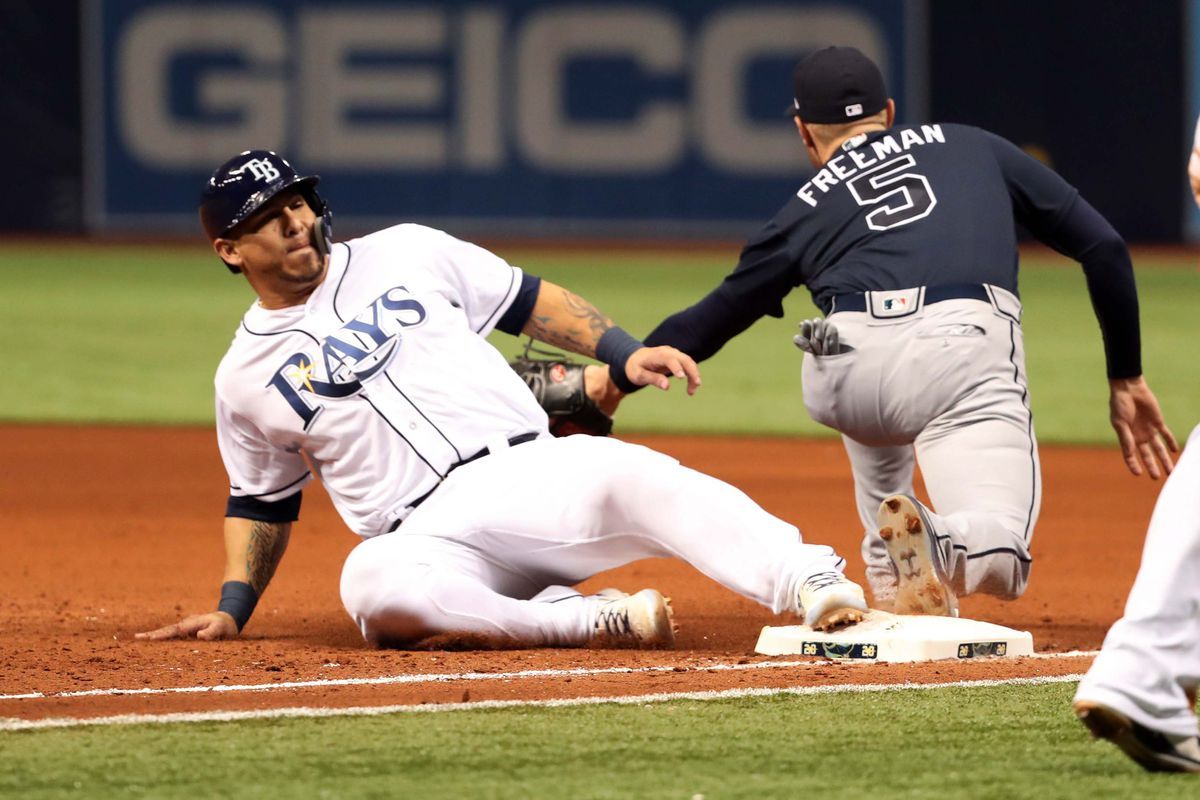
1153, 750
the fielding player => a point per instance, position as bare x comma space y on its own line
366, 364
906, 238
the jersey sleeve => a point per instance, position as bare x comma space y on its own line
1052, 210
765, 274
480, 282
1040, 196
257, 469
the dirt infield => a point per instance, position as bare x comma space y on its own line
108, 531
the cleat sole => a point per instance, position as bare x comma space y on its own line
920, 589
839, 618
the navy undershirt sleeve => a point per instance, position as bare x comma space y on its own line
1084, 235
764, 276
285, 510
521, 310
703, 329
1052, 210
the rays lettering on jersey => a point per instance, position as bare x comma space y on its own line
350, 356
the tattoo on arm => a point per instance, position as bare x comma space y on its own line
577, 329
268, 540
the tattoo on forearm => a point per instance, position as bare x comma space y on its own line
268, 540
577, 331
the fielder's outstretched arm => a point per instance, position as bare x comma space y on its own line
564, 319
253, 549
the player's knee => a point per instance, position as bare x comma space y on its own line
1006, 581
1019, 583
388, 604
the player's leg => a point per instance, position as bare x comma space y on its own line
652, 505
985, 483
561, 510
1151, 657
979, 455
401, 588
878, 473
477, 556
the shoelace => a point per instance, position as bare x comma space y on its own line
615, 621
823, 579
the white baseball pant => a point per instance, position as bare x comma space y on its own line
1151, 656
494, 548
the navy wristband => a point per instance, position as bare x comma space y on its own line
614, 348
238, 600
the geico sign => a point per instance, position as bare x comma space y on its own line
311, 83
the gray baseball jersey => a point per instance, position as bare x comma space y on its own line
907, 240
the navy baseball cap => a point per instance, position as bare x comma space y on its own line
837, 84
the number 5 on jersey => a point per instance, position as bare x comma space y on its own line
906, 196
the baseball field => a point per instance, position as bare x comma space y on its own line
110, 513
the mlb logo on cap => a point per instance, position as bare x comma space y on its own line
837, 84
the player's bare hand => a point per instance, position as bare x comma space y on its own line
654, 366
211, 626
1146, 441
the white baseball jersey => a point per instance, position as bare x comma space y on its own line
380, 382
383, 380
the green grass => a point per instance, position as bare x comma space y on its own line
133, 334
979, 742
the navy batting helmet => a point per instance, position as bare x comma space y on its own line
246, 182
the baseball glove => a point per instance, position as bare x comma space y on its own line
557, 383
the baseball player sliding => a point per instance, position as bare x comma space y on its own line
905, 237
1140, 692
365, 364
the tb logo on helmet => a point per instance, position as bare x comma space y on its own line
261, 169
245, 183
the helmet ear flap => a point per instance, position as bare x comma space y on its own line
322, 232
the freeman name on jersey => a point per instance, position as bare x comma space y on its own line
852, 161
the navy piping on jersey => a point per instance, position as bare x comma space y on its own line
432, 424
283, 488
246, 328
384, 417
520, 438
1012, 357
338, 288
512, 276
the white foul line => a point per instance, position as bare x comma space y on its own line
449, 677
12, 724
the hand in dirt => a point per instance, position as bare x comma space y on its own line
211, 626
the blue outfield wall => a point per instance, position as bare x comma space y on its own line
490, 116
